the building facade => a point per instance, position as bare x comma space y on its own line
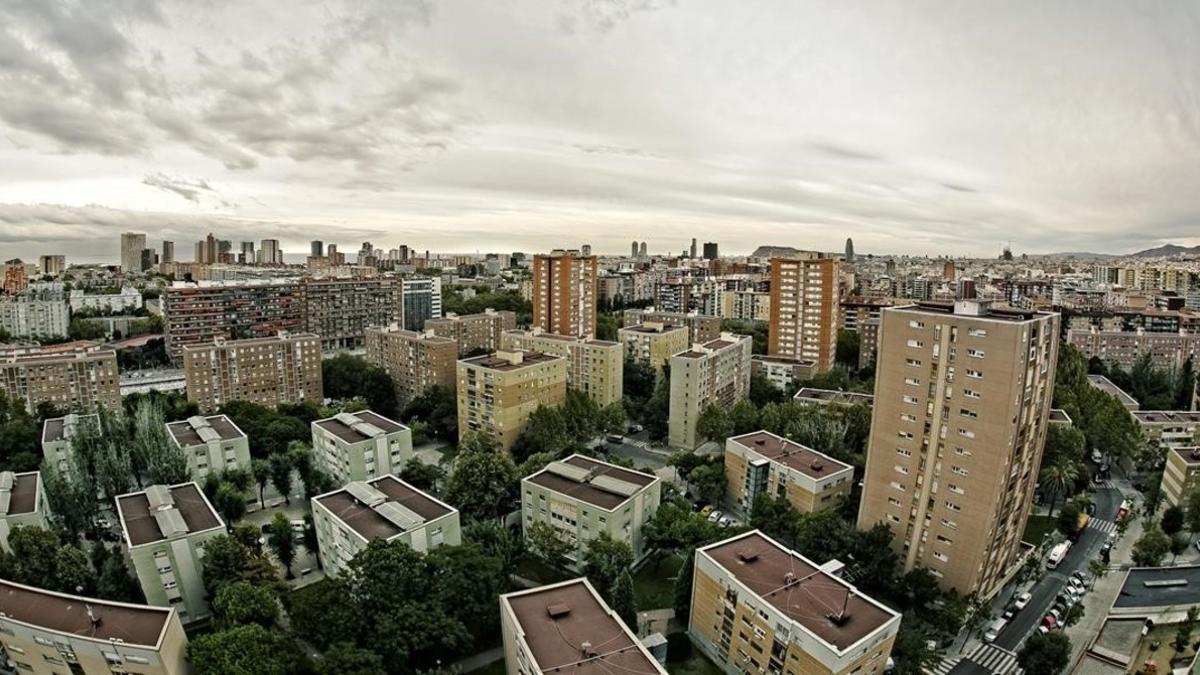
74, 376
414, 360
422, 301
360, 446
497, 392
212, 444
30, 317
581, 497
1170, 428
22, 504
128, 299
385, 508
564, 293
1181, 475
594, 367
762, 463
961, 408
194, 315
714, 373
1167, 350
341, 310
701, 327
165, 530
269, 371
804, 310
474, 333
653, 343
57, 435
784, 372
132, 245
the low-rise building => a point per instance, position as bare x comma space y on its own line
1060, 416
1181, 474
701, 327
47, 633
814, 396
1106, 385
653, 342
497, 392
269, 371
22, 503
1171, 428
714, 373
567, 627
581, 497
165, 530
762, 463
759, 607
57, 433
385, 508
212, 444
783, 371
414, 360
73, 376
474, 333
360, 446
594, 367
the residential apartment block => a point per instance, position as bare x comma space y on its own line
497, 392
961, 409
211, 444
783, 371
273, 370
341, 310
360, 446
474, 332
47, 633
1170, 428
422, 301
22, 503
701, 327
564, 293
758, 607
761, 463
581, 497
804, 310
198, 315
56, 439
567, 627
414, 360
653, 342
1181, 475
35, 318
1107, 386
594, 367
75, 376
385, 508
165, 530
714, 373
1124, 348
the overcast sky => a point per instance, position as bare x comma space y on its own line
914, 127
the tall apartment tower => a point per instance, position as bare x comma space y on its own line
564, 293
132, 244
633, 250
642, 250
692, 250
269, 252
269, 371
317, 248
804, 309
962, 404
711, 250
714, 373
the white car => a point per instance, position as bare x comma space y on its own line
714, 516
1022, 600
1096, 456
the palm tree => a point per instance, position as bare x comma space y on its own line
1058, 478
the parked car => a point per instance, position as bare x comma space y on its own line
1022, 600
725, 521
635, 428
1009, 614
1050, 622
1043, 629
1081, 576
616, 439
714, 516
706, 510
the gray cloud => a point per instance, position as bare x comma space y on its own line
190, 189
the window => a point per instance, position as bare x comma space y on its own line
953, 507
975, 353
912, 381
900, 470
971, 393
905, 434
977, 332
960, 471
955, 489
965, 412
911, 400
966, 433
916, 344
916, 363
903, 453
905, 417
916, 324
975, 374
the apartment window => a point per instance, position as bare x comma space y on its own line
977, 332
901, 470
971, 393
912, 400
953, 507
893, 501
962, 451
905, 417
916, 344
949, 524
903, 453
966, 433
938, 555
905, 434
893, 519
916, 363
965, 412
912, 381
944, 540
916, 324
897, 486
955, 489
975, 374
960, 471
975, 353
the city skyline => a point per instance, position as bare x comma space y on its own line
477, 127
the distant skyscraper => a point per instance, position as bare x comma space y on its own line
247, 252
642, 250
208, 250
633, 251
318, 249
270, 253
693, 249
168, 252
948, 271
586, 250
52, 265
132, 244
849, 249
710, 250
891, 268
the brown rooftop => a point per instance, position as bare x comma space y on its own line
186, 435
795, 586
994, 313
141, 527
585, 491
1188, 455
555, 622
23, 497
651, 328
496, 363
782, 359
55, 429
68, 614
350, 434
367, 522
1167, 416
791, 454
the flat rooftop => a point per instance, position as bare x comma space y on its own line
62, 428
1059, 416
985, 311
833, 396
200, 430
654, 329
584, 485
18, 493
1106, 385
252, 342
412, 334
556, 620
367, 521
71, 351
560, 338
494, 362
786, 360
68, 614
809, 599
145, 526
359, 426
791, 454
1167, 416
1188, 455
1170, 586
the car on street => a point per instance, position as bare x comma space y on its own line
1081, 576
714, 516
1050, 622
1043, 629
725, 521
993, 630
706, 510
1009, 614
1022, 600
635, 428
615, 439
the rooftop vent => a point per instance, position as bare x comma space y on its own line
816, 465
760, 441
615, 485
747, 556
160, 497
558, 610
365, 493
571, 472
398, 515
587, 649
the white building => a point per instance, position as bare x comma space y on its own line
360, 446
23, 317
128, 299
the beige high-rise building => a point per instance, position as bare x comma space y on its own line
594, 367
270, 371
961, 408
474, 332
804, 310
1181, 475
76, 376
758, 607
714, 373
498, 392
415, 361
47, 633
564, 293
653, 342
701, 327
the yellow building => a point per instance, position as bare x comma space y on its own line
498, 392
594, 367
761, 463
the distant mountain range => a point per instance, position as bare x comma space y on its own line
1167, 250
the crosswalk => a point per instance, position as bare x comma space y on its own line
1107, 483
1102, 526
996, 660
944, 666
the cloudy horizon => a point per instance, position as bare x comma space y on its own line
462, 126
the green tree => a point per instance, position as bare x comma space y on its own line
244, 650
1068, 519
714, 424
544, 542
156, 458
346, 376
623, 602
484, 483
709, 482
674, 528
1153, 546
39, 559
437, 407
114, 581
1192, 511
228, 559
282, 541
637, 382
495, 540
1172, 520
683, 585
281, 474
743, 418
611, 419
344, 658
604, 559
776, 517
422, 476
1058, 479
1045, 654
1183, 634
230, 503
657, 411
243, 603
847, 349
261, 470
